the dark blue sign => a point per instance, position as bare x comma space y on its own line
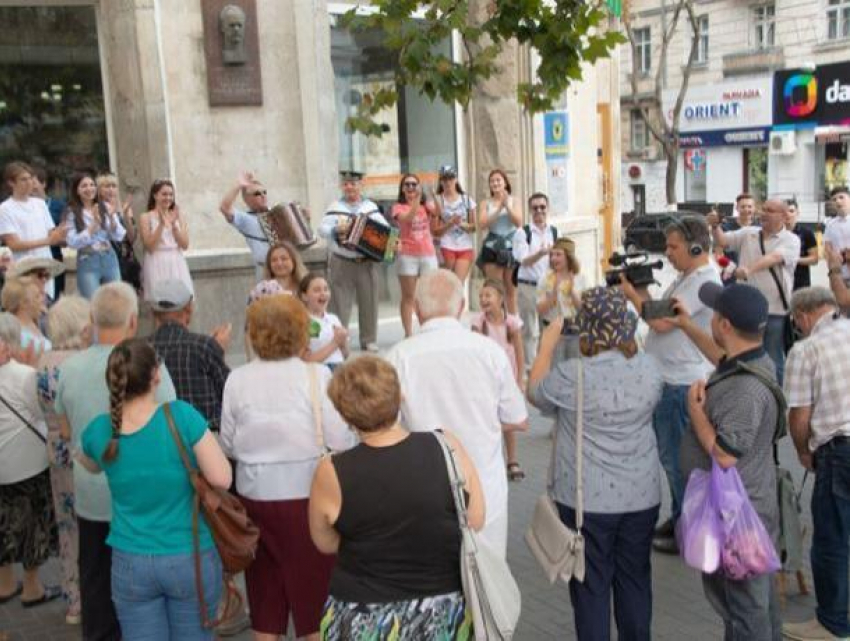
747, 137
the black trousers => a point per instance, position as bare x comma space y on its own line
100, 623
617, 552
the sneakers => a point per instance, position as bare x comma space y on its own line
372, 348
664, 538
810, 630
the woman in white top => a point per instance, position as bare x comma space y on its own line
165, 236
91, 230
24, 298
27, 523
500, 217
276, 422
454, 223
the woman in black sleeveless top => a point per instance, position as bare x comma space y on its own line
385, 509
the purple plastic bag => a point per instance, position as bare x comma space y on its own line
699, 530
747, 550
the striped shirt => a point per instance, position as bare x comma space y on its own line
816, 375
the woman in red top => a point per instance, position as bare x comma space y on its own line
416, 255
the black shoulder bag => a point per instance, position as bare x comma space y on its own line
789, 334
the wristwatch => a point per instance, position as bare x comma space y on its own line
834, 271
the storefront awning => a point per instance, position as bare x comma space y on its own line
832, 133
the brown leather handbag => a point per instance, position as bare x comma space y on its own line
234, 534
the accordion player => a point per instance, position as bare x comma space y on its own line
373, 239
287, 222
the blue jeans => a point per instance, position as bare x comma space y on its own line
95, 269
749, 608
617, 553
156, 599
774, 344
831, 520
671, 420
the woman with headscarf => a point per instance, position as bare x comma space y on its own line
621, 480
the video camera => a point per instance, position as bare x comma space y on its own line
635, 266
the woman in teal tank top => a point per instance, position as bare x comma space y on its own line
500, 217
153, 579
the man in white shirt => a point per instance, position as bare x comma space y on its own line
682, 364
255, 197
767, 257
455, 379
25, 223
351, 276
836, 237
531, 250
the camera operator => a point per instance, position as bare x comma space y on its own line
682, 364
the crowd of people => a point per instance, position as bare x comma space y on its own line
332, 457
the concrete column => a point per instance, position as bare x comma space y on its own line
135, 92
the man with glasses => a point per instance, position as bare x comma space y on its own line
255, 197
531, 247
351, 275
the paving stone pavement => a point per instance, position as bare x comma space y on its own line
680, 608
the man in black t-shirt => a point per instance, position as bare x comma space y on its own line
808, 247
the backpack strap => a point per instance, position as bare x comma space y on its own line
527, 229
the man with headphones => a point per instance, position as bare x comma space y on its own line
688, 244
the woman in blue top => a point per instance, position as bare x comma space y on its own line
153, 581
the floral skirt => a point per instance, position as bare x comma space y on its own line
27, 522
437, 618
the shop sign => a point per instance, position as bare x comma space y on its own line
806, 97
695, 160
755, 137
557, 135
729, 106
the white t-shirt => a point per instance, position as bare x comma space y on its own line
22, 453
455, 238
456, 379
565, 307
681, 362
325, 335
28, 220
837, 234
746, 242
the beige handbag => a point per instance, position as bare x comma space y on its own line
559, 549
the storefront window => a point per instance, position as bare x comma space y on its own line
419, 135
756, 163
51, 95
695, 173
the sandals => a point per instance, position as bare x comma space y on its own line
8, 597
50, 593
515, 472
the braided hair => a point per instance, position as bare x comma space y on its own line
129, 374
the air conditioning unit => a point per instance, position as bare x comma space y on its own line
783, 143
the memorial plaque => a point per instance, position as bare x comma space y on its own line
232, 52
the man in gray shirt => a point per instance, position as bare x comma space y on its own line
734, 417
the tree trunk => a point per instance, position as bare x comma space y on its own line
672, 152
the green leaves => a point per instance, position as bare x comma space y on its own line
565, 34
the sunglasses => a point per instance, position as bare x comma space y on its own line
539, 208
42, 274
410, 185
259, 192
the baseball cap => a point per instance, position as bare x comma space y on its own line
447, 171
744, 306
170, 295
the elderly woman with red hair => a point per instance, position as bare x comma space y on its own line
276, 423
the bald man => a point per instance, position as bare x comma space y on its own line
767, 257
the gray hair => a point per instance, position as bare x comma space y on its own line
67, 320
113, 305
10, 330
809, 299
438, 293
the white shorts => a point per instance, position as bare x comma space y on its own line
415, 265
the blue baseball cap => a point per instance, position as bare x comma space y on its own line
744, 306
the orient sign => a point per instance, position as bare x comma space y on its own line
806, 97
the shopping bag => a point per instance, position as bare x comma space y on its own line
699, 530
747, 550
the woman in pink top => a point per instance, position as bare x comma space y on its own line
495, 322
416, 255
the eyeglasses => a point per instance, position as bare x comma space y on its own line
259, 192
539, 208
42, 274
410, 185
